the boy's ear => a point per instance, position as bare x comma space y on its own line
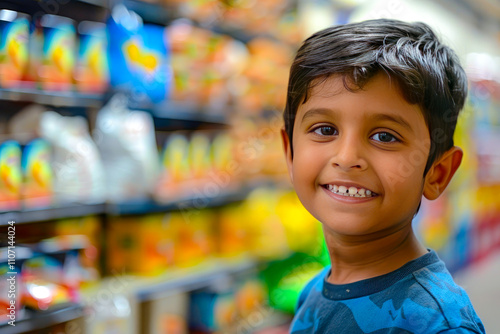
441, 172
287, 148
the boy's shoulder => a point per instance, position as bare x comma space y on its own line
420, 297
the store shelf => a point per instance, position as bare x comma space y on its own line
171, 115
118, 209
239, 34
163, 15
167, 116
6, 217
98, 3
39, 320
205, 275
52, 98
191, 202
79, 10
40, 215
150, 12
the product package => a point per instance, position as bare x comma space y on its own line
139, 57
151, 244
175, 163
37, 174
111, 314
211, 312
76, 163
91, 71
194, 236
266, 74
207, 67
10, 176
11, 284
67, 249
143, 245
58, 53
232, 233
89, 230
167, 315
43, 279
14, 38
225, 171
266, 233
199, 157
227, 307
127, 143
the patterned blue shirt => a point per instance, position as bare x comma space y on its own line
420, 297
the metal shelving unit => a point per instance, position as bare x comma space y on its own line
173, 115
70, 211
117, 209
150, 12
52, 98
190, 202
99, 3
167, 116
202, 276
33, 321
47, 214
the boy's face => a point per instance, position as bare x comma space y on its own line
368, 141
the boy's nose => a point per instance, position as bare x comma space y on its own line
349, 155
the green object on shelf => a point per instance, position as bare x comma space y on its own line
286, 278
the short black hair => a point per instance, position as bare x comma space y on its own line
427, 72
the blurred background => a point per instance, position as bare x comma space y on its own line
142, 182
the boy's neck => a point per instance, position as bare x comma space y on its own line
354, 259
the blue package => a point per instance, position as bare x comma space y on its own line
139, 57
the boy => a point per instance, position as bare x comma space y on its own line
369, 121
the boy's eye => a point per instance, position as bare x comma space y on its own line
326, 131
385, 137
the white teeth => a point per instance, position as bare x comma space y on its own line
351, 191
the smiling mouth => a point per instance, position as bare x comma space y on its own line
349, 191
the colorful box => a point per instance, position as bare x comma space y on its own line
14, 37
10, 176
58, 54
139, 57
37, 175
91, 71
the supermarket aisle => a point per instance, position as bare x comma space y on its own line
482, 284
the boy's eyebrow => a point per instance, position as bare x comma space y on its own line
315, 111
392, 118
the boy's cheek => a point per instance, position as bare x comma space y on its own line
405, 169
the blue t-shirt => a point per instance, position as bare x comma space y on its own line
420, 297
